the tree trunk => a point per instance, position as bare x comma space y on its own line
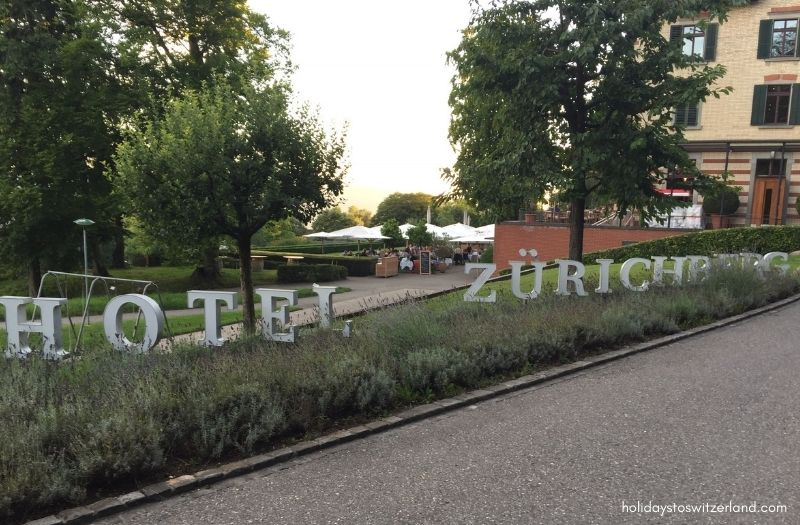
246, 272
118, 255
209, 272
34, 277
97, 260
576, 216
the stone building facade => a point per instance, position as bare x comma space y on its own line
754, 132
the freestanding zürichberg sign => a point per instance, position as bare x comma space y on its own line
276, 318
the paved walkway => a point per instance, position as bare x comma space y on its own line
711, 419
366, 293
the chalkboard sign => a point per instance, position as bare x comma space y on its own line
425, 263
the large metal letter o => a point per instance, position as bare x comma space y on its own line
153, 322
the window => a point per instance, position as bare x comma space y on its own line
776, 104
770, 167
699, 41
694, 41
687, 115
777, 109
778, 38
784, 38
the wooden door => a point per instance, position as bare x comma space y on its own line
768, 201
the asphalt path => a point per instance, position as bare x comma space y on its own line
709, 420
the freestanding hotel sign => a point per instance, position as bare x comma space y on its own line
276, 318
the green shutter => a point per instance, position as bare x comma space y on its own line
711, 42
794, 109
764, 38
675, 33
680, 114
759, 105
691, 115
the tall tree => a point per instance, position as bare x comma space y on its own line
332, 219
173, 45
577, 96
361, 216
403, 207
224, 162
61, 101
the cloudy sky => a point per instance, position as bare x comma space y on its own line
380, 67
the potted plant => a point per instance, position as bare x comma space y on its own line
720, 204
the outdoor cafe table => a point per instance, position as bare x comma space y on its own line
292, 259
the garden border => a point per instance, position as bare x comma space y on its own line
173, 486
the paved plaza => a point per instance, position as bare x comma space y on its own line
708, 420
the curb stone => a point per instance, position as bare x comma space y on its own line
160, 490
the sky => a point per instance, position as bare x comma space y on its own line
380, 67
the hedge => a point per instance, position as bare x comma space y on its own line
309, 273
356, 266
314, 248
761, 240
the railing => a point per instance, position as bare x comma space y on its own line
94, 280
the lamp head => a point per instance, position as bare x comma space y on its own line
84, 222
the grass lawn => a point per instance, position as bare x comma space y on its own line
168, 279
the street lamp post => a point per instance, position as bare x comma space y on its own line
83, 223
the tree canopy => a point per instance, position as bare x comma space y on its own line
403, 207
391, 229
573, 96
332, 219
418, 235
361, 216
62, 98
221, 162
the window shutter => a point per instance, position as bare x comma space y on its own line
764, 38
794, 110
759, 105
680, 114
711, 42
691, 115
675, 33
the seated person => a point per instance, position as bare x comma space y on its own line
406, 264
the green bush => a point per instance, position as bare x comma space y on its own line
311, 247
356, 266
723, 202
308, 273
761, 240
488, 255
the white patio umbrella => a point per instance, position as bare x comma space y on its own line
437, 231
473, 239
486, 231
319, 235
458, 230
404, 229
356, 232
359, 233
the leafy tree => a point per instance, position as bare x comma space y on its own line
403, 207
359, 215
575, 96
288, 229
224, 163
181, 44
418, 235
391, 229
61, 98
332, 219
169, 46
